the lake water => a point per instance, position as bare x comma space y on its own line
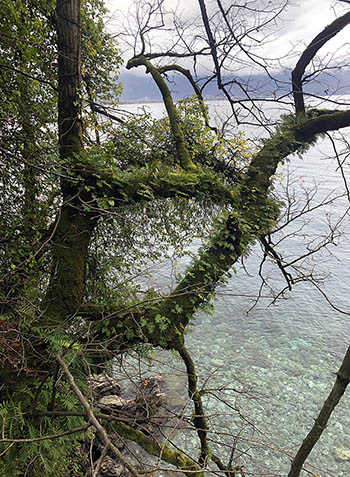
274, 365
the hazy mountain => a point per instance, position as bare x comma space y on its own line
142, 87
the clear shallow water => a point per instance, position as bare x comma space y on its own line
282, 356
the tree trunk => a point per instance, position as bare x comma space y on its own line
69, 77
74, 224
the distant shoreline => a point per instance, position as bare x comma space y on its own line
221, 98
150, 101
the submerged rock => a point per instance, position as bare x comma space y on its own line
342, 454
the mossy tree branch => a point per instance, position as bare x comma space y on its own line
196, 89
254, 216
179, 138
171, 456
160, 181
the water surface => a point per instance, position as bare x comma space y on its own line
274, 364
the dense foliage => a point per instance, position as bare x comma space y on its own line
32, 174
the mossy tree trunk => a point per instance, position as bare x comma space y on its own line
74, 224
254, 215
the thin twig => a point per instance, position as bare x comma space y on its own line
50, 437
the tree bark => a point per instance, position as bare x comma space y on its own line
69, 77
74, 225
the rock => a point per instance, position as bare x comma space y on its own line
150, 393
109, 468
113, 402
144, 402
103, 385
342, 454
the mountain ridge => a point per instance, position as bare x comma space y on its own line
142, 88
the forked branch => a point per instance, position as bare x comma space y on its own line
178, 136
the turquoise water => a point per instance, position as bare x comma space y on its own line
274, 365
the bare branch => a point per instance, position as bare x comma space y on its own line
214, 55
321, 39
269, 250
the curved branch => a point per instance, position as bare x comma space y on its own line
199, 419
321, 39
197, 90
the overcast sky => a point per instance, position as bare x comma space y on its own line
304, 19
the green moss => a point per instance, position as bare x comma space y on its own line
69, 250
156, 180
203, 276
174, 457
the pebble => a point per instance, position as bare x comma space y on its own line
342, 454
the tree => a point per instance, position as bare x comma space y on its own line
67, 309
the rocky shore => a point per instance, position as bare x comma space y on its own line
143, 406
